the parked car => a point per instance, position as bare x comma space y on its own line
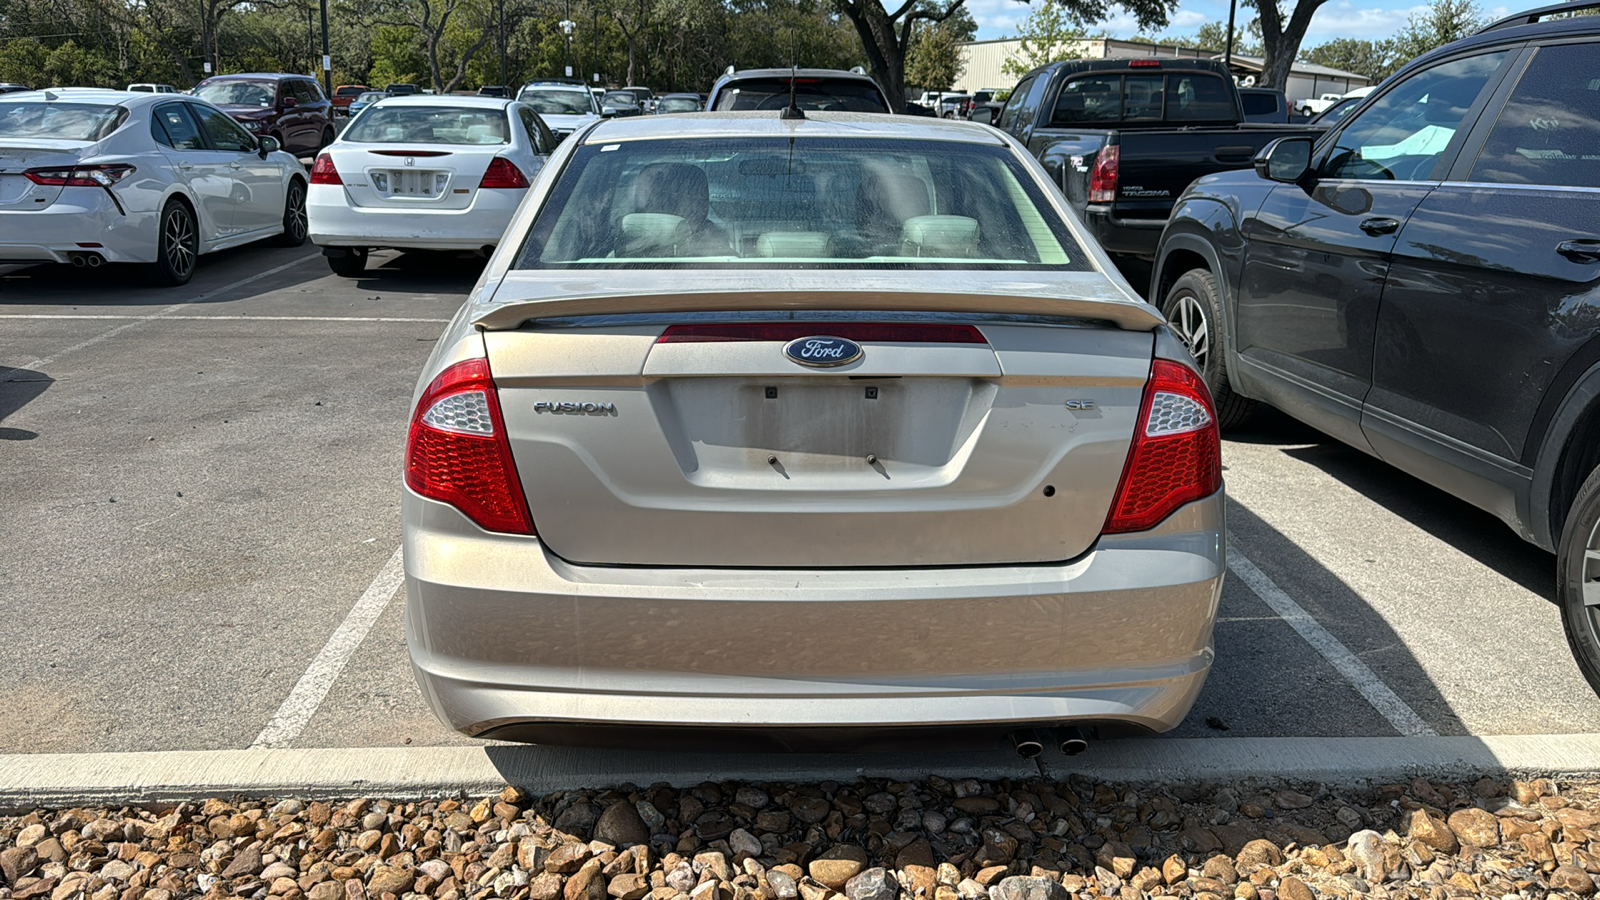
1264, 105
1311, 106
1124, 137
149, 88
1423, 283
620, 103
679, 103
694, 397
89, 177
345, 95
564, 106
645, 97
976, 100
365, 100
832, 90
401, 89
8, 87
427, 173
288, 108
1331, 116
952, 104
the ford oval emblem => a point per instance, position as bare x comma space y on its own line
822, 352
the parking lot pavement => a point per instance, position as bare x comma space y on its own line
199, 504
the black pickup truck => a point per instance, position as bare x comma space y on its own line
1124, 137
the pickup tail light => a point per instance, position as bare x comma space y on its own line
1176, 457
1103, 177
80, 176
502, 173
324, 172
457, 451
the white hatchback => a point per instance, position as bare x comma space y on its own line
424, 173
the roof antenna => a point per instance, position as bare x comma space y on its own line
792, 111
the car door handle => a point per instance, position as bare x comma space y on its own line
1380, 225
186, 166
1581, 250
235, 166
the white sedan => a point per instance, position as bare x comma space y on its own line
90, 176
424, 173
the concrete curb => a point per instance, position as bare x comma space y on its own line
114, 779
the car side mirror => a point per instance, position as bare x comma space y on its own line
1287, 159
287, 103
608, 112
268, 145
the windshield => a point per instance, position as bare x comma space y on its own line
372, 96
805, 203
558, 103
677, 104
619, 98
837, 95
63, 121
428, 125
349, 92
238, 93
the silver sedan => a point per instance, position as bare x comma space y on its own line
812, 431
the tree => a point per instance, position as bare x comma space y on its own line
1281, 37
1442, 22
934, 61
1050, 32
1374, 59
451, 33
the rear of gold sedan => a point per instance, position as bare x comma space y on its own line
816, 453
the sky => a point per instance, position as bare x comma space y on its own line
1366, 19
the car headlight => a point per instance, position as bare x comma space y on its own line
251, 125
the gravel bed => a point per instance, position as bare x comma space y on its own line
872, 840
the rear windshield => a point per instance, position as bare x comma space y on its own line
1145, 97
807, 203
677, 105
238, 93
372, 96
62, 121
1259, 104
558, 103
838, 95
428, 125
349, 92
620, 97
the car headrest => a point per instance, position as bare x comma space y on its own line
652, 234
677, 189
801, 244
940, 236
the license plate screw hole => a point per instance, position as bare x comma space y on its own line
772, 393
872, 393
1049, 490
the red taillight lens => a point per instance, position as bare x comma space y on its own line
1176, 456
896, 332
80, 176
457, 452
502, 174
1103, 177
1144, 63
323, 171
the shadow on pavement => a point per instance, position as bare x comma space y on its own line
125, 285
19, 387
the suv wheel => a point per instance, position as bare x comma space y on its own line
294, 216
1578, 578
177, 246
327, 138
1194, 312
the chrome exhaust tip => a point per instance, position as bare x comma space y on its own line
1028, 744
1072, 741
93, 260
78, 260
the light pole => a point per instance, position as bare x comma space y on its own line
1227, 53
500, 19
327, 60
567, 26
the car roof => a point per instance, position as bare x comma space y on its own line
554, 86
765, 123
798, 73
91, 95
684, 94
466, 100
258, 75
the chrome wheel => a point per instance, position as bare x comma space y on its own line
178, 241
297, 212
1589, 572
1190, 325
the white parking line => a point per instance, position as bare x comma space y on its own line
1388, 704
222, 318
308, 693
26, 368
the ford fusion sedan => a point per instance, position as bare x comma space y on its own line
424, 173
91, 177
813, 432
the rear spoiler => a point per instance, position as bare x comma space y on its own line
526, 296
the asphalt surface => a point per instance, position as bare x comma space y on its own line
199, 485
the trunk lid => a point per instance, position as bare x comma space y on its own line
421, 177
17, 191
640, 445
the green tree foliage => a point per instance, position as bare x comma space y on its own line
934, 61
1441, 23
1374, 59
1049, 33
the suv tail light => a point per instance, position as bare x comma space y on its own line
80, 176
323, 171
502, 173
1176, 457
457, 451
1103, 177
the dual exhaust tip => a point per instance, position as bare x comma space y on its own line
91, 260
1030, 743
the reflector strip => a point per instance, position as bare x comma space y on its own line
910, 333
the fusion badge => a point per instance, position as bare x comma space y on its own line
822, 352
575, 409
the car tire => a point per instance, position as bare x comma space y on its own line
1193, 308
327, 138
1577, 574
294, 216
177, 246
353, 264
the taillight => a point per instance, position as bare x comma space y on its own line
896, 332
80, 176
1103, 177
324, 172
1176, 457
457, 451
502, 174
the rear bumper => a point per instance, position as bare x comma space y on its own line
510, 641
53, 234
335, 223
1128, 237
